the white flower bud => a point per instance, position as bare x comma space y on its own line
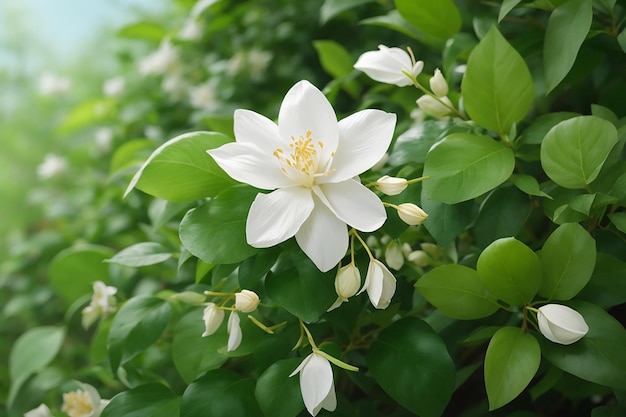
316, 384
561, 324
389, 65
213, 317
391, 185
434, 108
394, 256
347, 281
411, 214
438, 84
431, 249
419, 258
41, 411
234, 332
380, 284
246, 301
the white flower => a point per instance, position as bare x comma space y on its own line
380, 284
246, 301
419, 258
175, 84
114, 87
51, 166
391, 185
51, 84
102, 303
561, 324
347, 283
104, 138
41, 411
387, 65
310, 161
434, 108
411, 214
438, 84
191, 30
234, 332
316, 384
394, 256
161, 61
203, 96
213, 317
84, 402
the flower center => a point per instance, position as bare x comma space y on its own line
77, 403
301, 161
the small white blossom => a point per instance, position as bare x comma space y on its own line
434, 108
388, 65
41, 411
347, 283
316, 384
160, 61
234, 332
391, 185
561, 324
380, 284
104, 138
438, 84
52, 166
51, 84
394, 256
213, 317
114, 87
411, 214
246, 301
102, 303
191, 30
419, 258
203, 96
83, 402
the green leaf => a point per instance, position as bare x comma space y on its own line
141, 254
573, 152
567, 28
394, 21
180, 170
607, 286
88, 113
412, 146
215, 231
528, 184
154, 400
299, 287
457, 49
599, 356
220, 393
510, 270
332, 8
334, 58
463, 166
568, 258
142, 30
457, 291
278, 394
512, 360
497, 87
506, 7
408, 357
502, 214
130, 154
31, 353
440, 19
619, 220
138, 324
621, 40
73, 270
446, 221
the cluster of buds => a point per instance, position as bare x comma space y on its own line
437, 105
410, 213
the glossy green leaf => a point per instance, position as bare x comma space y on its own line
573, 152
220, 393
332, 8
215, 231
154, 400
619, 220
502, 214
31, 353
607, 286
497, 87
510, 270
511, 362
411, 363
73, 270
412, 146
180, 170
278, 394
300, 288
567, 28
141, 254
334, 58
130, 155
439, 19
88, 113
143, 30
446, 221
457, 50
136, 326
457, 291
506, 7
528, 184
394, 21
599, 356
464, 166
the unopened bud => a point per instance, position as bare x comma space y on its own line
411, 214
391, 185
246, 301
561, 324
347, 281
419, 258
213, 317
438, 84
394, 256
433, 107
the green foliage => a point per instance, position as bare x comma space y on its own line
150, 399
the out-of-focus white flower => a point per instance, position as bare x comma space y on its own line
234, 332
175, 83
391, 185
41, 411
438, 84
388, 65
51, 84
160, 61
246, 301
153, 132
561, 324
394, 256
252, 63
419, 258
83, 402
104, 138
380, 284
411, 214
213, 317
434, 108
203, 96
309, 161
431, 249
191, 30
114, 87
102, 303
316, 384
51, 166
347, 283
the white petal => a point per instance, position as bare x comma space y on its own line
316, 381
386, 65
330, 402
354, 204
323, 237
306, 108
381, 284
277, 216
251, 127
249, 164
234, 332
302, 365
364, 138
